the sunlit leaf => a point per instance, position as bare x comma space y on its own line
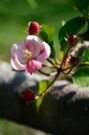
81, 76
38, 102
42, 86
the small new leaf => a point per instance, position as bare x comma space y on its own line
42, 86
38, 102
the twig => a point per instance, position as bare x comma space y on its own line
68, 49
47, 74
50, 85
50, 62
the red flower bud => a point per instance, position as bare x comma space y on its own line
72, 40
28, 95
74, 61
34, 28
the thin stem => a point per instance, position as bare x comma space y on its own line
44, 65
68, 71
50, 85
51, 67
48, 74
50, 62
44, 73
59, 70
55, 65
68, 49
65, 69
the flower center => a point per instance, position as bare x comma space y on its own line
28, 55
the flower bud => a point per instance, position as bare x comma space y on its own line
74, 61
34, 28
72, 40
28, 95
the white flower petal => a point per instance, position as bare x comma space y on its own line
18, 49
45, 53
16, 64
33, 44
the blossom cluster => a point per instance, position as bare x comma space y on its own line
30, 54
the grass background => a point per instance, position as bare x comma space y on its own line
14, 17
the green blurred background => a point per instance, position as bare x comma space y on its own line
14, 17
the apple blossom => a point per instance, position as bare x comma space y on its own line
30, 55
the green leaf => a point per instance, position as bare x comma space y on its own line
81, 76
47, 34
73, 26
85, 56
38, 102
82, 6
42, 86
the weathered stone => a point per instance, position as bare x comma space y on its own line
64, 111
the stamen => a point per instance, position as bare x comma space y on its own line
28, 54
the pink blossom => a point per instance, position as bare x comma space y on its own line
30, 55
